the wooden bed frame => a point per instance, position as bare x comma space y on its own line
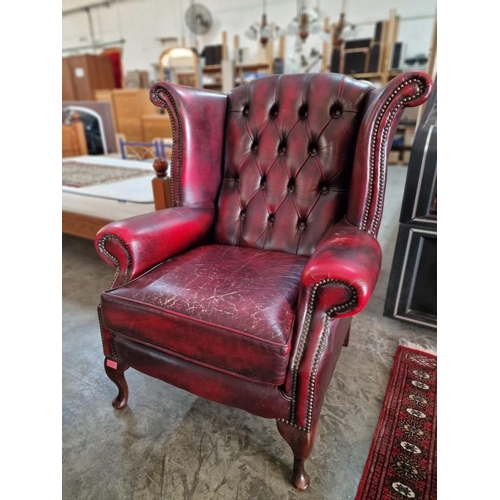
85, 226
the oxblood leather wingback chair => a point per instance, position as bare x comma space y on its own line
243, 291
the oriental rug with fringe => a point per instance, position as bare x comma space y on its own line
402, 461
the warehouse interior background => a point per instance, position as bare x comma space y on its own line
31, 253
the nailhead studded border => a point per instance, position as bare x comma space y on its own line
102, 248
112, 336
317, 356
99, 315
382, 159
176, 192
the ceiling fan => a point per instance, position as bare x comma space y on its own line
198, 19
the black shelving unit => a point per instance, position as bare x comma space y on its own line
412, 290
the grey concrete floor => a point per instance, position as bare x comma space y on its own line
168, 444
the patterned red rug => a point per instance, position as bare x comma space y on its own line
402, 462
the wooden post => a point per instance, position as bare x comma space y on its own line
270, 53
431, 70
326, 47
390, 33
224, 46
281, 47
162, 185
236, 55
431, 66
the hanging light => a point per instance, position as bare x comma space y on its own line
263, 32
343, 29
306, 23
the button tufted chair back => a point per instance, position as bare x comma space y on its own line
290, 142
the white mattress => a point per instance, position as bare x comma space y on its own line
115, 200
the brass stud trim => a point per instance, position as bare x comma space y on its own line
176, 145
112, 344
303, 341
382, 158
102, 248
293, 425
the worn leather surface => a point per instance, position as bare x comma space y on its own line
228, 307
290, 169
198, 130
137, 244
352, 258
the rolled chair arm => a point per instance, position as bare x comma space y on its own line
337, 281
346, 264
138, 243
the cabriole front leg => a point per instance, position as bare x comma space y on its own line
115, 371
301, 443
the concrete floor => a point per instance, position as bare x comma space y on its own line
168, 444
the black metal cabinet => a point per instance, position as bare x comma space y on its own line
412, 290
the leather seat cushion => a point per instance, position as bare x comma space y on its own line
226, 307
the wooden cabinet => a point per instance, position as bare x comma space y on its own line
412, 290
82, 75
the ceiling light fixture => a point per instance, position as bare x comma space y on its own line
263, 32
343, 29
307, 22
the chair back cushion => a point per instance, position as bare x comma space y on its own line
289, 150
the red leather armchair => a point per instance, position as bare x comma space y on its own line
243, 291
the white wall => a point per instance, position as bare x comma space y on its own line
142, 22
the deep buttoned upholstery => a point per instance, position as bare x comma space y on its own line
289, 149
243, 291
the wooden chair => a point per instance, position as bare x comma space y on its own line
141, 150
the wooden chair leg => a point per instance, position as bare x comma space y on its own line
115, 371
346, 340
301, 443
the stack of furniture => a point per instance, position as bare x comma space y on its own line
369, 58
